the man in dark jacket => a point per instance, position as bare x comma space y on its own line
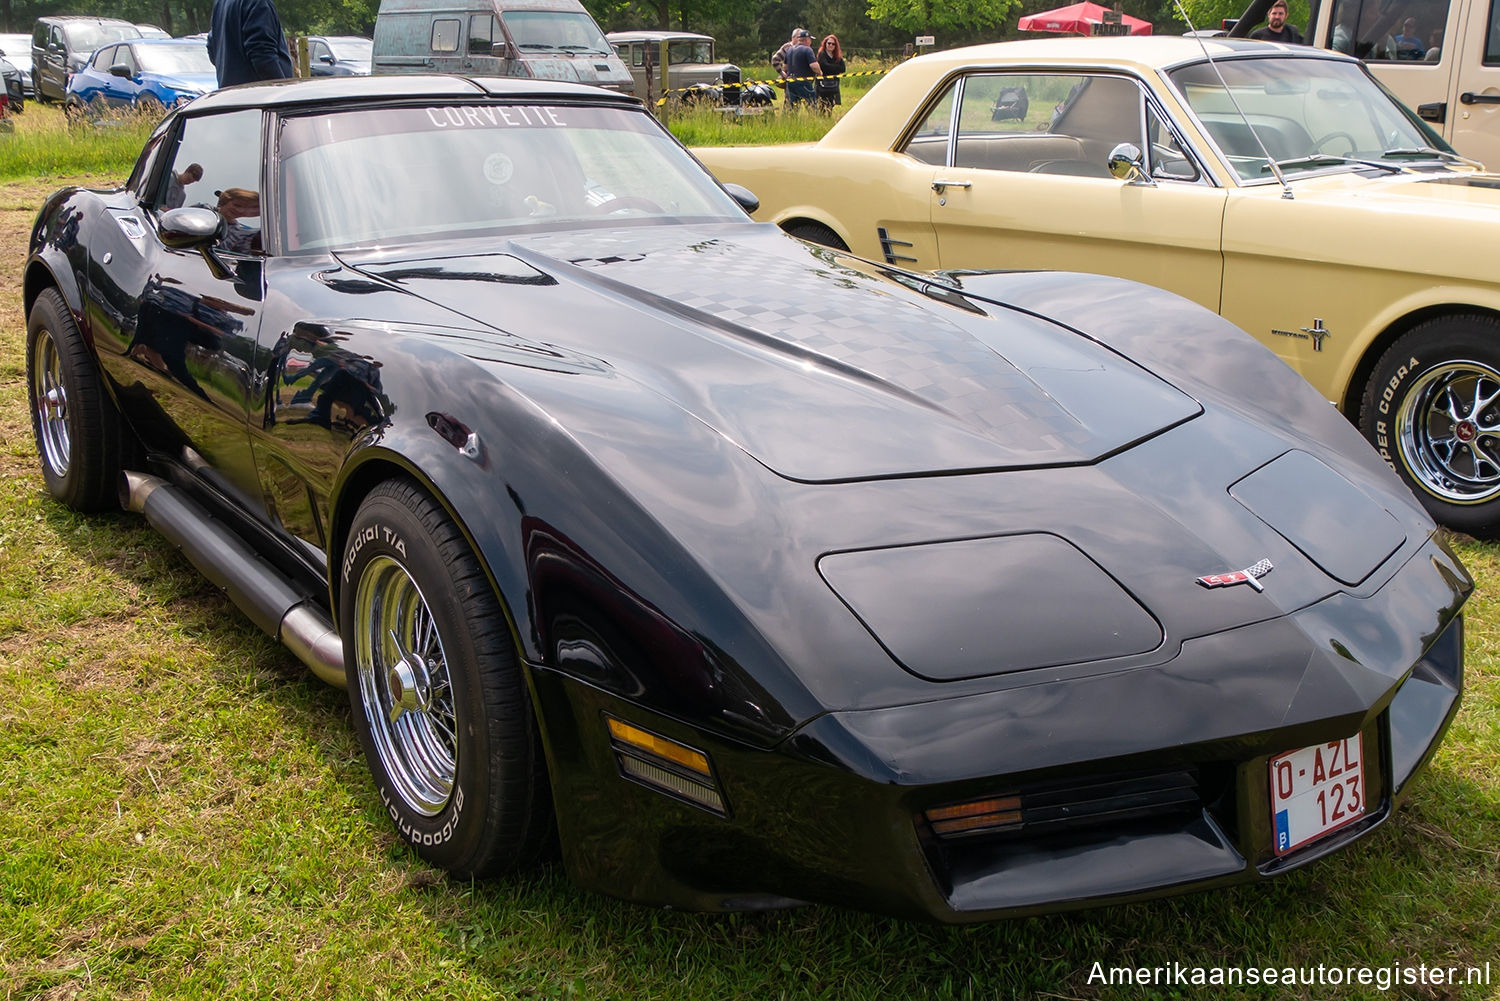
246, 44
1277, 29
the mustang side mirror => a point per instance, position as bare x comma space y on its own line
120, 70
1127, 164
744, 196
189, 227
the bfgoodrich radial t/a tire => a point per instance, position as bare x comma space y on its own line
438, 694
1432, 410
75, 423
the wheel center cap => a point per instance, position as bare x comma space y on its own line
1466, 431
408, 686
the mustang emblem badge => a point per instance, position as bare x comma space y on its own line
1248, 575
1317, 332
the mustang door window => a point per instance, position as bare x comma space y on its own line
1046, 123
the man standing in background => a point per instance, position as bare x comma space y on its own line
801, 65
1277, 29
246, 44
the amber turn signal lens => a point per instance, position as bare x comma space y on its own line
660, 746
977, 817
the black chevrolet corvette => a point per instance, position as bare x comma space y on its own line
752, 572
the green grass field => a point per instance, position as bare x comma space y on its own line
184, 813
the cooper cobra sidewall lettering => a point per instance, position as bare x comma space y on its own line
1432, 411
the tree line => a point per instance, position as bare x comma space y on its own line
747, 31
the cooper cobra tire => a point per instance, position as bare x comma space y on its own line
74, 422
1432, 410
816, 232
437, 690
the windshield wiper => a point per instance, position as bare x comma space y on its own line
1429, 151
1330, 159
581, 48
535, 45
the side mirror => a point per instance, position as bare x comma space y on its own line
502, 50
326, 59
189, 227
744, 196
120, 70
1127, 164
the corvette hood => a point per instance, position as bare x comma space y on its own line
819, 371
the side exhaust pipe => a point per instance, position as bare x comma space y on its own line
258, 588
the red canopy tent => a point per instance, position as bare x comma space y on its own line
1079, 19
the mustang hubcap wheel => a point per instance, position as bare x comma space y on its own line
51, 405
404, 687
1450, 432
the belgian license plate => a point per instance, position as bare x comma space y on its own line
1316, 790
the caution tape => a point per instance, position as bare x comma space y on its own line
778, 82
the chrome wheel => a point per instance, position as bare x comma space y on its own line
51, 403
404, 687
1449, 432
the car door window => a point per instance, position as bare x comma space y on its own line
481, 34
1166, 159
1492, 39
1046, 123
1389, 30
445, 32
124, 57
320, 52
929, 141
216, 165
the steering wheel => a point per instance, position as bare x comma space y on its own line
1325, 137
626, 203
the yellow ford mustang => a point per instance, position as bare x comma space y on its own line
1279, 185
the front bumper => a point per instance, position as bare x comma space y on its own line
1159, 775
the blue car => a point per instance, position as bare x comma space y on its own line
150, 74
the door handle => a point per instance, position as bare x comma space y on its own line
1436, 112
1469, 97
939, 184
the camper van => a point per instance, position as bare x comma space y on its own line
543, 39
1440, 57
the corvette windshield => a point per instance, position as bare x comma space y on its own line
1309, 114
402, 175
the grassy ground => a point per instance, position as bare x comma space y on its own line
184, 813
41, 142
776, 124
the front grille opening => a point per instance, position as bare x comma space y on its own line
1102, 803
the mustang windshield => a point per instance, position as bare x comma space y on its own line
1310, 114
402, 175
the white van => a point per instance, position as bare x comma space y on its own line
543, 39
1440, 57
